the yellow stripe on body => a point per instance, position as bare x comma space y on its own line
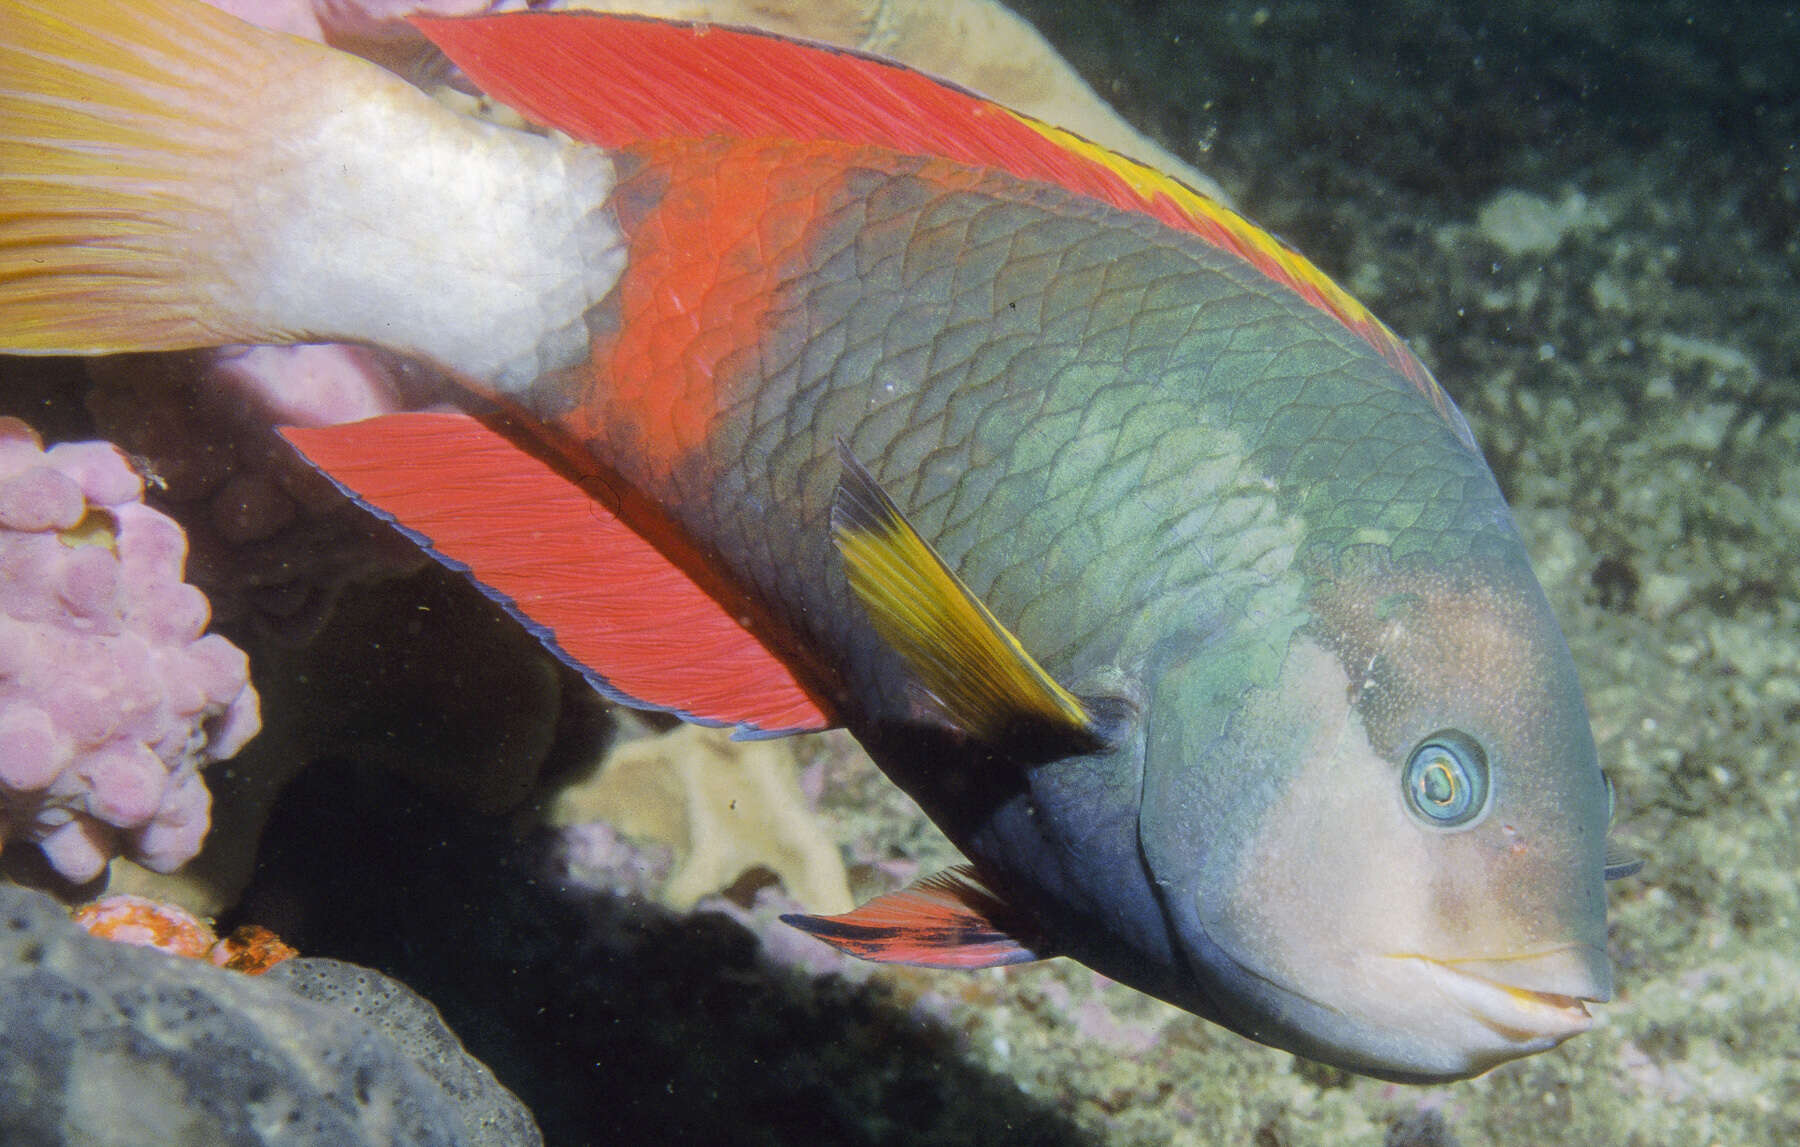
1173, 202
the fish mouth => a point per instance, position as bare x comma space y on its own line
1539, 999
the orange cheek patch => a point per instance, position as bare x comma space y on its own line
713, 231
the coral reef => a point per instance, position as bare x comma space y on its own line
420, 675
724, 808
272, 542
1581, 216
114, 1044
111, 698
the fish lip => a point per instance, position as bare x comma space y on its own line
1521, 1015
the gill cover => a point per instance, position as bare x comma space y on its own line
1389, 855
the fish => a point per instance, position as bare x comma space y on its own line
802, 390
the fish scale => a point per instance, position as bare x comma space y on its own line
948, 447
1148, 561
952, 462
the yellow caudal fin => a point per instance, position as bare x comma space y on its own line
142, 146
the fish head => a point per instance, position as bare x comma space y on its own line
1389, 855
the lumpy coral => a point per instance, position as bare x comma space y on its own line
112, 697
272, 542
724, 807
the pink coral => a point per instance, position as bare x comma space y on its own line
270, 540
110, 697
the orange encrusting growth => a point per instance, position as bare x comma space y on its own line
145, 923
712, 232
619, 81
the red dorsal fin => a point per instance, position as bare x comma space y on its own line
601, 597
947, 920
615, 80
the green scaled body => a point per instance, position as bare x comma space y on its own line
1156, 569
1211, 509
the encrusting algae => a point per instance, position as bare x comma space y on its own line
146, 923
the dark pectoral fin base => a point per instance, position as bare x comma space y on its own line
1619, 864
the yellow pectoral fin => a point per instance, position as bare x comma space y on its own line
977, 674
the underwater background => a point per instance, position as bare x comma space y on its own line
1584, 219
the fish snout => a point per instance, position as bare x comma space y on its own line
1532, 997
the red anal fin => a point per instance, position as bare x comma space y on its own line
616, 80
947, 920
598, 595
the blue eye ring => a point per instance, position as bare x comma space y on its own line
1446, 780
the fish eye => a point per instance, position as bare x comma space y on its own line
1446, 780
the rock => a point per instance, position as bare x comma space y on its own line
1521, 223
116, 1046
